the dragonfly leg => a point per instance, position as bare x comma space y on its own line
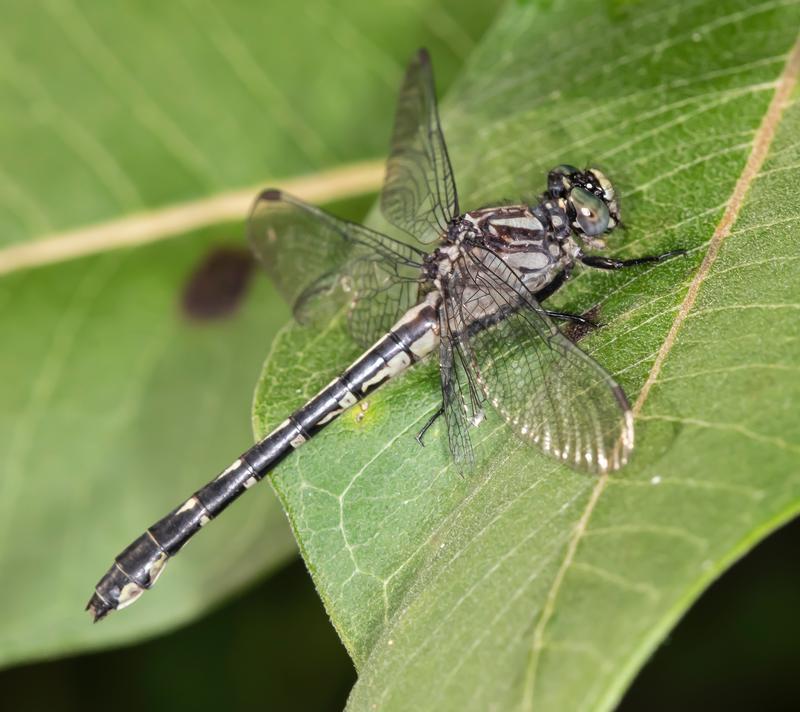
421, 434
612, 263
574, 318
556, 284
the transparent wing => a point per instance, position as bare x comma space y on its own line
419, 192
320, 263
461, 396
543, 385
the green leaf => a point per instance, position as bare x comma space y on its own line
529, 585
123, 124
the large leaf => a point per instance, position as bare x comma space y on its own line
114, 404
529, 585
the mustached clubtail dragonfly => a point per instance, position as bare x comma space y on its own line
476, 299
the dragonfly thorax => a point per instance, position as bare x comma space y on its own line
535, 242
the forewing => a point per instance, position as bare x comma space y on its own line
320, 263
419, 192
544, 386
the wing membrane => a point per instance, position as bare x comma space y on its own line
419, 192
320, 263
543, 385
461, 397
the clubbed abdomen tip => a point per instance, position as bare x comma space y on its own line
98, 608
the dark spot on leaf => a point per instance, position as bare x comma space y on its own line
575, 332
218, 284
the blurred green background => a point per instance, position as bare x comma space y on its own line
111, 109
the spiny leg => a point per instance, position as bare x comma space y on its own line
421, 434
574, 318
555, 284
551, 289
612, 263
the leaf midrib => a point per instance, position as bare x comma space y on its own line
177, 219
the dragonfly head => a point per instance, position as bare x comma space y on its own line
589, 198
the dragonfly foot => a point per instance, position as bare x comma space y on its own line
431, 421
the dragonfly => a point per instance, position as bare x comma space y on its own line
475, 299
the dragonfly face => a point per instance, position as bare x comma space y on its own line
589, 200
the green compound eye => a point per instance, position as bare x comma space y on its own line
591, 213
